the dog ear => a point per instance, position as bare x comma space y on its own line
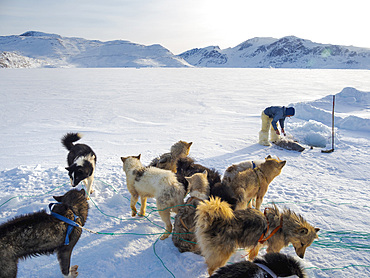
205, 173
282, 163
138, 157
83, 191
164, 159
123, 159
189, 144
317, 229
58, 198
269, 156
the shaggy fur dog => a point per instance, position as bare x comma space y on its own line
40, 233
81, 162
187, 167
279, 264
252, 183
184, 225
220, 231
168, 161
153, 182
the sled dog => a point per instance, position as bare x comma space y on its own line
184, 225
153, 182
270, 265
252, 183
233, 170
169, 160
187, 167
81, 161
220, 231
40, 233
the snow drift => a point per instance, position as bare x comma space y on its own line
351, 112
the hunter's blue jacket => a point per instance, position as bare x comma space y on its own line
277, 113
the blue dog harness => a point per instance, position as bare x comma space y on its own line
70, 223
253, 165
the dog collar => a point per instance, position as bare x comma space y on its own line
71, 224
271, 273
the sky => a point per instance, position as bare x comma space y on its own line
181, 25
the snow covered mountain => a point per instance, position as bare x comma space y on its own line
37, 49
287, 52
52, 50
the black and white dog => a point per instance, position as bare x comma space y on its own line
81, 162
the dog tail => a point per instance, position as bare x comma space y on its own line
209, 211
69, 138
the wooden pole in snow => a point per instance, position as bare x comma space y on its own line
332, 130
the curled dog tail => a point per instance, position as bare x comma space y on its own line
209, 211
69, 138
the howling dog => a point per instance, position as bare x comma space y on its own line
220, 231
40, 233
253, 182
184, 225
168, 161
270, 265
81, 162
149, 182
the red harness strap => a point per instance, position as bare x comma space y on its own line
262, 239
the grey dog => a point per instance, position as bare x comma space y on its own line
40, 233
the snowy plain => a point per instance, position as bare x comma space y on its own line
125, 112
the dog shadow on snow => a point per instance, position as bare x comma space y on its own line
252, 152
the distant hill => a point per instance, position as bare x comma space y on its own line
51, 50
37, 49
287, 52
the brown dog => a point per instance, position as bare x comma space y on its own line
168, 161
220, 231
252, 183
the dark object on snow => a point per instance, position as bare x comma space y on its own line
289, 145
270, 265
332, 131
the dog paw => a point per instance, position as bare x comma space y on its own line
133, 213
164, 236
72, 272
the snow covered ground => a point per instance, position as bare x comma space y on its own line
125, 112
